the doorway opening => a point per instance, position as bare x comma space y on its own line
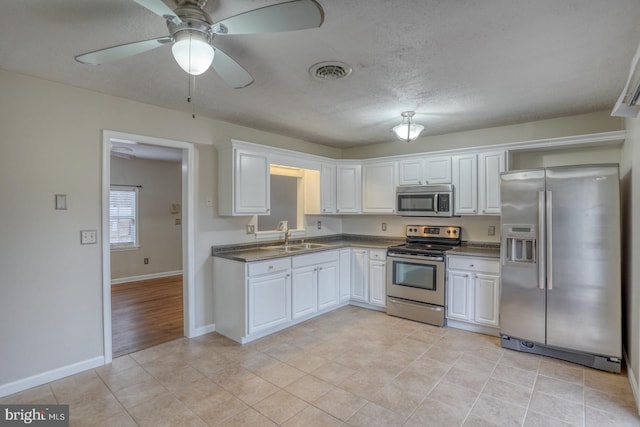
148, 244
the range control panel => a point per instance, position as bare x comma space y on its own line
433, 231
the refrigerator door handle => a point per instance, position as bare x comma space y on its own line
542, 246
549, 242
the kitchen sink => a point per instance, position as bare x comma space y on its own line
296, 247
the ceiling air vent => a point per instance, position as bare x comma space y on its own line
331, 70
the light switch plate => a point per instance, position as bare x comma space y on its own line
61, 202
88, 237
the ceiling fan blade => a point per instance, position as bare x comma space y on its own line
288, 16
230, 71
122, 51
160, 8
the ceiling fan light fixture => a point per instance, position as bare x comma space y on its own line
192, 51
407, 131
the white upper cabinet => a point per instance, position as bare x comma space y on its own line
425, 170
411, 172
379, 182
491, 164
465, 184
348, 188
243, 182
438, 170
328, 188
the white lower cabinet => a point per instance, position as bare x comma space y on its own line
377, 277
268, 301
345, 274
315, 284
359, 272
473, 292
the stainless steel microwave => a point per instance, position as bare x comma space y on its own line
425, 200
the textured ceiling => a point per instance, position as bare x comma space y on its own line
459, 64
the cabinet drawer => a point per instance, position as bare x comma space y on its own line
378, 254
314, 258
269, 266
473, 264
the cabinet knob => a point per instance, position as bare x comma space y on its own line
271, 267
470, 265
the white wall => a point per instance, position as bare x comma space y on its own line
159, 237
631, 249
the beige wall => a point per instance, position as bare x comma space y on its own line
159, 237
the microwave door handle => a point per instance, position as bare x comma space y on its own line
435, 203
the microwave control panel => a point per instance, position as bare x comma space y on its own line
432, 231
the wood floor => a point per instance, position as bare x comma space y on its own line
146, 313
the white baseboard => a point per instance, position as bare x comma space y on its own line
632, 380
46, 377
145, 277
202, 330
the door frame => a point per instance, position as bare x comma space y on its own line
188, 229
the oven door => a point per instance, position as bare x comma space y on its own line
416, 278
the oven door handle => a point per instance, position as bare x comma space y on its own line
417, 257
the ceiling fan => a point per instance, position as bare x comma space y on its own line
191, 32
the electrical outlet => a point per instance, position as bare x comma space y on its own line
251, 229
492, 230
384, 226
178, 221
208, 201
319, 225
88, 237
146, 260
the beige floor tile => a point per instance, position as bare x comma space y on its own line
428, 367
607, 382
309, 388
306, 361
517, 359
118, 364
218, 407
193, 393
564, 410
470, 362
536, 419
498, 411
36, 395
437, 414
281, 374
597, 418
442, 354
251, 390
280, 406
249, 418
508, 392
283, 352
373, 415
521, 377
177, 378
340, 403
117, 380
364, 384
312, 416
211, 364
398, 399
139, 393
609, 402
333, 373
79, 387
454, 395
558, 388
99, 411
473, 380
164, 410
561, 370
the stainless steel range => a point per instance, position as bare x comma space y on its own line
416, 273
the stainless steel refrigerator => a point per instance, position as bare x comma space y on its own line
560, 264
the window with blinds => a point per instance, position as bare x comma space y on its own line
123, 217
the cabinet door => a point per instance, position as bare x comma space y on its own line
377, 277
304, 291
379, 187
465, 184
458, 295
348, 189
269, 301
328, 285
438, 170
359, 288
251, 186
490, 166
345, 274
328, 188
411, 172
487, 299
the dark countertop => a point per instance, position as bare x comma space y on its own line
259, 251
477, 249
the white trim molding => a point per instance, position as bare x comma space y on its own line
203, 330
52, 375
145, 277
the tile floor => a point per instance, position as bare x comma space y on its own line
351, 367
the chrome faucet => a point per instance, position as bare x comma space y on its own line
287, 235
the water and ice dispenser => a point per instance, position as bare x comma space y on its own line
520, 243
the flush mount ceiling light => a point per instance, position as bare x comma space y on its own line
407, 131
192, 50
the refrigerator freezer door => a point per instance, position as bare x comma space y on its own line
522, 302
583, 301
